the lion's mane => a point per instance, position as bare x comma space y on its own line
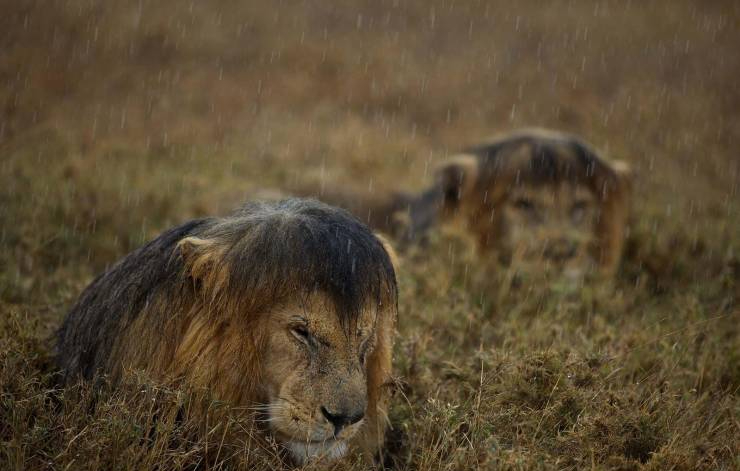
188, 304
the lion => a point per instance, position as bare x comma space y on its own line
538, 199
288, 307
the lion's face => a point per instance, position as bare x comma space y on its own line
316, 377
533, 201
549, 227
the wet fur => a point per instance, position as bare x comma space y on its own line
470, 185
474, 184
189, 305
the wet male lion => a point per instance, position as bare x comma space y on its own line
288, 305
538, 200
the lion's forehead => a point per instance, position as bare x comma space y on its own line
552, 194
531, 157
329, 326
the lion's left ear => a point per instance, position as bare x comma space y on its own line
389, 250
615, 193
611, 179
624, 173
379, 374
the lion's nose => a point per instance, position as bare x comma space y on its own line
342, 418
560, 250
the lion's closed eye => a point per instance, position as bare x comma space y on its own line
578, 210
303, 335
524, 204
272, 336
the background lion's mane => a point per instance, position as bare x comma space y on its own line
538, 156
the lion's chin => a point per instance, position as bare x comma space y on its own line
329, 450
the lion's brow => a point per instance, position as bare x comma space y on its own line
299, 319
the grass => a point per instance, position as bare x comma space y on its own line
119, 119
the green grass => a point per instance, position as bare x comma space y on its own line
118, 121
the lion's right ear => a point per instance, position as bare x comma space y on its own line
457, 178
202, 260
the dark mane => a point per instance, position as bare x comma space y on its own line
547, 157
254, 258
114, 299
275, 249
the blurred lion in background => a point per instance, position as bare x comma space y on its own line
539, 200
287, 307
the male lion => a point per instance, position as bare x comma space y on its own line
286, 305
538, 199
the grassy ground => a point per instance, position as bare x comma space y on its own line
119, 119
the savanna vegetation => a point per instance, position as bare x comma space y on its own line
119, 119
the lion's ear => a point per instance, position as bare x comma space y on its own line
201, 258
457, 178
624, 172
612, 226
620, 185
390, 251
621, 168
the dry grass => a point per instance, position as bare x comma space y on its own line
119, 119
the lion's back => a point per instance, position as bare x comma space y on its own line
113, 300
